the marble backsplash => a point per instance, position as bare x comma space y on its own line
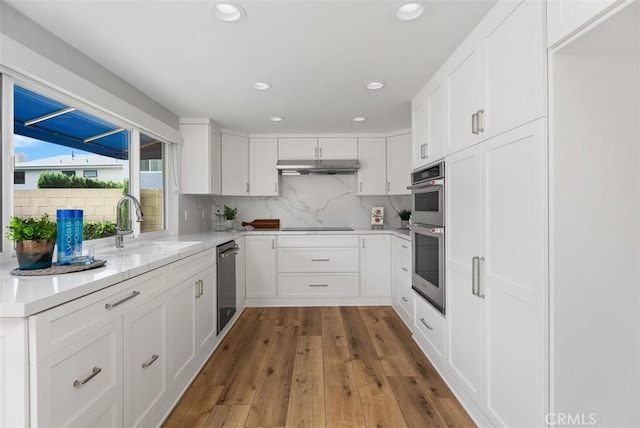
318, 201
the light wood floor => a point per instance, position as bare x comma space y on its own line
318, 367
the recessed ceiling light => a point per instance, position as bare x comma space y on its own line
276, 119
261, 86
407, 10
375, 85
227, 10
359, 119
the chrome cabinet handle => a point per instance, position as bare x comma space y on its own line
404, 246
247, 187
426, 324
405, 269
94, 372
199, 288
361, 186
318, 285
362, 242
422, 151
320, 260
119, 302
404, 299
316, 152
474, 123
320, 152
480, 118
153, 359
474, 275
275, 187
480, 277
388, 186
273, 243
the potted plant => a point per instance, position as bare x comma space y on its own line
230, 215
34, 240
404, 215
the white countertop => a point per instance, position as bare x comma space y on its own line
21, 296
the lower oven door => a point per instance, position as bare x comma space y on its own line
428, 276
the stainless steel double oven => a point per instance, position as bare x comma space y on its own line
428, 234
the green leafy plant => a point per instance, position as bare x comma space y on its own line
56, 180
230, 213
404, 214
98, 229
25, 229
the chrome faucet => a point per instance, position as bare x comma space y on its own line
120, 232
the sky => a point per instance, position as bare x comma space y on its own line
36, 149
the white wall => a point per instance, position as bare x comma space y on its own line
317, 200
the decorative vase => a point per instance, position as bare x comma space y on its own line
229, 224
404, 224
35, 253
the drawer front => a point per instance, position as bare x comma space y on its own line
402, 246
57, 328
405, 298
291, 260
430, 324
403, 267
77, 380
325, 285
196, 264
315, 241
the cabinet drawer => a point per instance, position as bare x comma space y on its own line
325, 285
402, 246
292, 260
73, 383
429, 324
183, 269
314, 241
405, 298
403, 268
57, 328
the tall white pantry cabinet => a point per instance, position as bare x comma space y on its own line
543, 209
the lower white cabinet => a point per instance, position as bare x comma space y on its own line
260, 259
429, 330
375, 266
240, 274
402, 292
318, 285
181, 330
205, 307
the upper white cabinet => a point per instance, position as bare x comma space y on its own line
263, 175
235, 165
325, 148
199, 157
372, 175
419, 129
398, 164
566, 17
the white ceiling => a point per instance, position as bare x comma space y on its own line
318, 54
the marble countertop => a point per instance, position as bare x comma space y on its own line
22, 296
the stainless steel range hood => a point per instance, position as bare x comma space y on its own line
318, 167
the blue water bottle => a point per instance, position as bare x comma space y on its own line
65, 222
77, 233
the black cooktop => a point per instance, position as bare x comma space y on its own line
318, 229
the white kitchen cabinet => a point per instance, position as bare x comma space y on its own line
145, 362
290, 148
108, 414
419, 129
372, 175
200, 157
260, 266
566, 17
402, 294
398, 164
181, 330
429, 328
240, 274
263, 175
235, 165
496, 220
337, 148
375, 266
436, 100
205, 308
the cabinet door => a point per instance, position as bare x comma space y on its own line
565, 17
263, 175
145, 356
436, 121
375, 266
399, 164
297, 148
372, 173
465, 311
419, 130
464, 92
337, 148
235, 165
515, 69
260, 266
515, 254
205, 316
181, 331
195, 158
240, 273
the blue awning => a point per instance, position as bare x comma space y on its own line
42, 118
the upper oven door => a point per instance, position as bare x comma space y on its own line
428, 203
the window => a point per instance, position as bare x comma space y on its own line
152, 161
18, 177
51, 142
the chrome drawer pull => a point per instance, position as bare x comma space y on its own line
94, 372
320, 260
404, 246
404, 299
153, 359
405, 269
425, 324
318, 285
119, 302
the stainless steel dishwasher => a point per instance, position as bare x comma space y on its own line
226, 279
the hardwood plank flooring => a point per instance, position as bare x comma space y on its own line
318, 367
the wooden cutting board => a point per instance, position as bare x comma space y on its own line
270, 223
